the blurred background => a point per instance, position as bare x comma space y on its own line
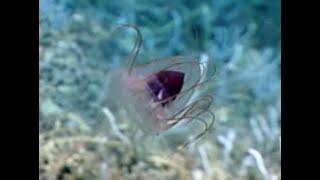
83, 136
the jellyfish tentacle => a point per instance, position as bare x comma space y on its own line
206, 128
186, 112
194, 138
188, 109
137, 45
197, 111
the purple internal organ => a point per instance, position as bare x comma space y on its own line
165, 85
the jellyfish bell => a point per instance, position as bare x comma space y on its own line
158, 95
158, 89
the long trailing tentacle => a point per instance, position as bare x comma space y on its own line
135, 50
187, 110
196, 110
206, 128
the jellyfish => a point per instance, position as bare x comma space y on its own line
161, 95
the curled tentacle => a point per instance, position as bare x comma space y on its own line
206, 128
135, 50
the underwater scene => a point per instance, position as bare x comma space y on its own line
156, 89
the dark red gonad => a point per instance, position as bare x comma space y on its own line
165, 84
